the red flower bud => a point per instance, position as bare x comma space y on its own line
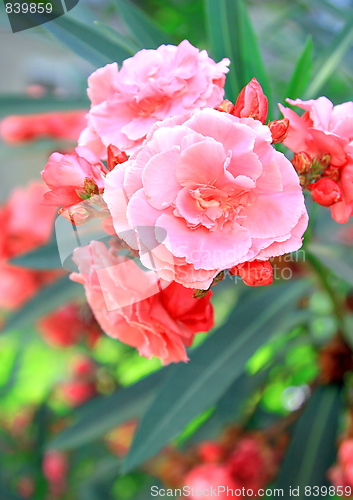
325, 192
252, 102
279, 130
55, 466
226, 106
302, 162
332, 173
115, 156
255, 273
211, 452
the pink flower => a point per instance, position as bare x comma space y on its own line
55, 469
25, 225
206, 192
135, 307
206, 477
151, 86
341, 474
68, 176
325, 132
58, 125
251, 102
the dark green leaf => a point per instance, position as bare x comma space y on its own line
144, 30
12, 104
302, 72
102, 414
223, 40
49, 298
87, 41
45, 257
312, 449
214, 366
330, 59
117, 37
336, 258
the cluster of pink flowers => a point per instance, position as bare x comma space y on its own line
193, 186
322, 142
341, 474
245, 468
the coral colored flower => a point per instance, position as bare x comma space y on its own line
255, 273
341, 474
251, 102
302, 162
252, 464
211, 452
206, 192
68, 177
325, 192
279, 130
55, 469
58, 125
76, 392
25, 225
205, 477
150, 86
326, 132
133, 306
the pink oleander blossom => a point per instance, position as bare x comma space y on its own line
150, 86
213, 192
326, 130
158, 319
204, 478
65, 175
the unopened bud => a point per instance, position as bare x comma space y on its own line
279, 130
325, 161
252, 102
115, 157
302, 162
303, 180
325, 192
90, 186
226, 106
254, 273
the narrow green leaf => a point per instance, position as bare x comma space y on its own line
49, 298
330, 59
252, 64
302, 72
336, 258
44, 257
117, 37
145, 31
223, 40
12, 104
312, 449
87, 41
214, 366
102, 414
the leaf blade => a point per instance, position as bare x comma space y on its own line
302, 72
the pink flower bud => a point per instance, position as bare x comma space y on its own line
325, 192
252, 102
55, 467
226, 106
302, 162
255, 273
210, 452
279, 130
83, 367
115, 156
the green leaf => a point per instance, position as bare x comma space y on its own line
214, 366
330, 59
223, 40
302, 72
12, 104
334, 257
145, 31
312, 449
104, 413
117, 37
44, 257
233, 36
49, 298
87, 41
